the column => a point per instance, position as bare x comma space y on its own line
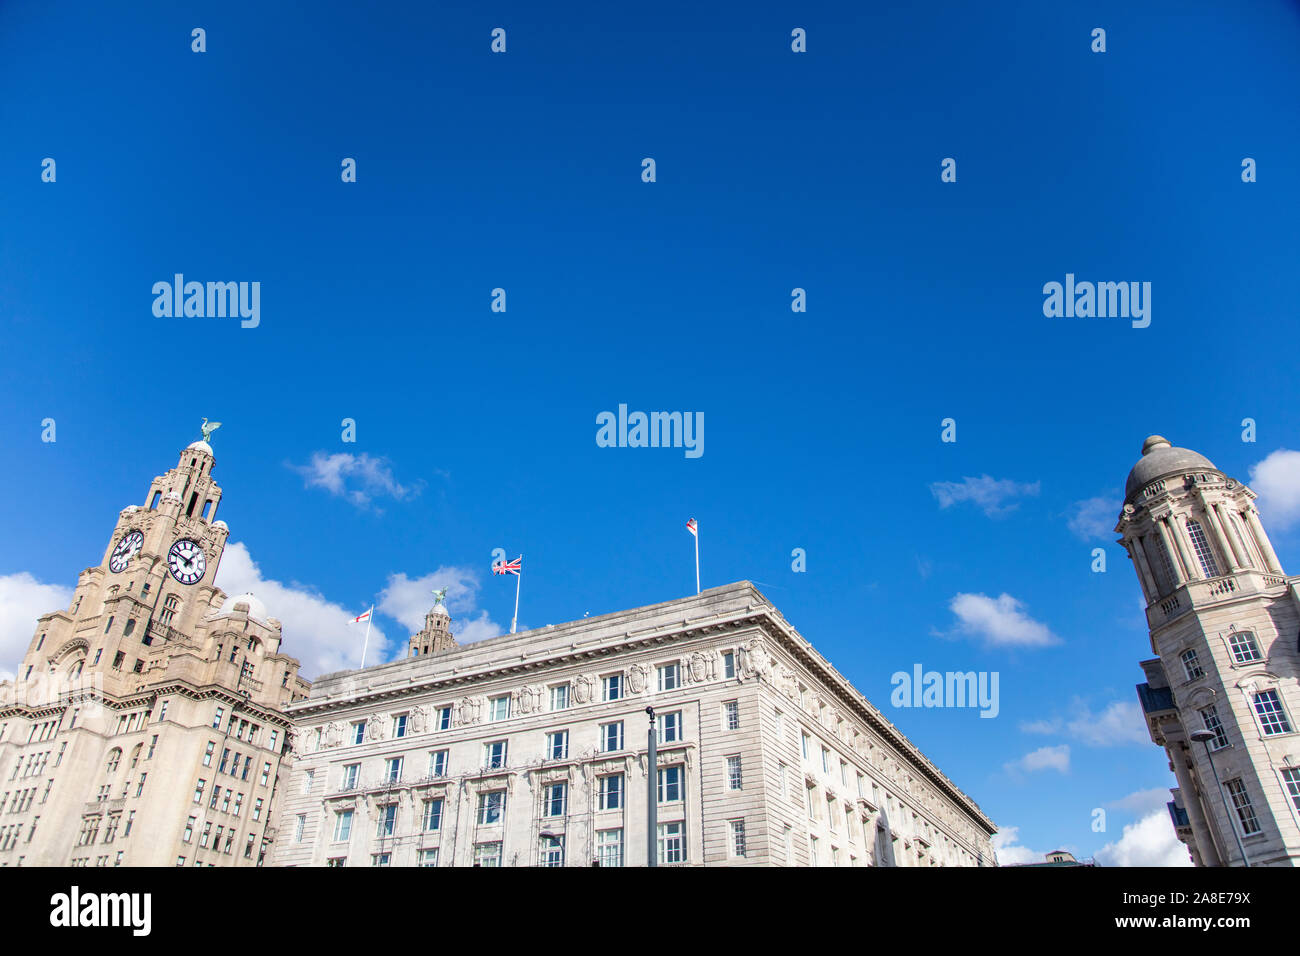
1192, 796
1175, 558
1228, 543
1179, 533
1261, 539
1143, 568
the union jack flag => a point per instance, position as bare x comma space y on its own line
693, 528
508, 567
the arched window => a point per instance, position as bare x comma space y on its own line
109, 625
114, 758
170, 604
135, 755
1209, 567
76, 669
130, 626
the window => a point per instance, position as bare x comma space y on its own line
299, 827
554, 800
358, 731
669, 730
557, 745
611, 736
737, 837
491, 807
429, 857
444, 718
560, 697
487, 854
805, 743
387, 821
275, 734
844, 773
609, 847
610, 793
1241, 803
613, 687
118, 658
216, 797
207, 754
1191, 665
170, 603
207, 834
225, 759
1243, 646
1291, 777
308, 781
130, 822
728, 664
734, 779
670, 677
499, 707
438, 763
670, 784
248, 848
1272, 719
672, 842
266, 771
731, 715
494, 755
394, 772
216, 721
257, 809
826, 760
342, 825
1202, 548
188, 835
351, 774
552, 851
432, 817
114, 758
337, 861
381, 859
399, 726
1210, 717
198, 791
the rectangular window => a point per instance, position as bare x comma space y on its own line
342, 826
1191, 665
444, 718
669, 729
499, 707
433, 814
670, 784
1291, 777
670, 677
381, 859
266, 771
216, 721
189, 830
337, 861
734, 779
1241, 803
555, 800
728, 664
611, 791
438, 763
731, 715
560, 697
487, 854
359, 732
299, 827
672, 842
552, 851
609, 847
826, 760
387, 821
399, 726
737, 837
207, 753
806, 744
207, 835
429, 857
394, 772
613, 687
491, 807
1243, 646
257, 809
494, 755
198, 791
225, 759
557, 745
1272, 718
611, 736
216, 798
1210, 717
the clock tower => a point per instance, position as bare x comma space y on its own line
145, 726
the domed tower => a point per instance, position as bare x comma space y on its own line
436, 635
1223, 620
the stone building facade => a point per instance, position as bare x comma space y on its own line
532, 749
145, 725
1224, 619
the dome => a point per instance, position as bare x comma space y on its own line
1160, 458
199, 445
220, 526
439, 610
256, 608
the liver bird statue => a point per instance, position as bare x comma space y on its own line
208, 428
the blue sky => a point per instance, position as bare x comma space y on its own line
775, 170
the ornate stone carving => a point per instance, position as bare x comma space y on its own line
375, 729
419, 719
789, 685
699, 667
332, 735
755, 661
637, 677
471, 710
583, 688
530, 699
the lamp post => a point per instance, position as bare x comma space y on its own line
1205, 736
652, 801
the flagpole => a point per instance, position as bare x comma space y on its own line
697, 558
366, 644
518, 578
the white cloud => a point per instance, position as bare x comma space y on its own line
1119, 723
1006, 844
22, 600
409, 599
316, 630
1143, 802
357, 478
999, 621
1149, 842
1093, 518
1276, 480
987, 493
1044, 758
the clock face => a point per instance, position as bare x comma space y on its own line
187, 561
125, 550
